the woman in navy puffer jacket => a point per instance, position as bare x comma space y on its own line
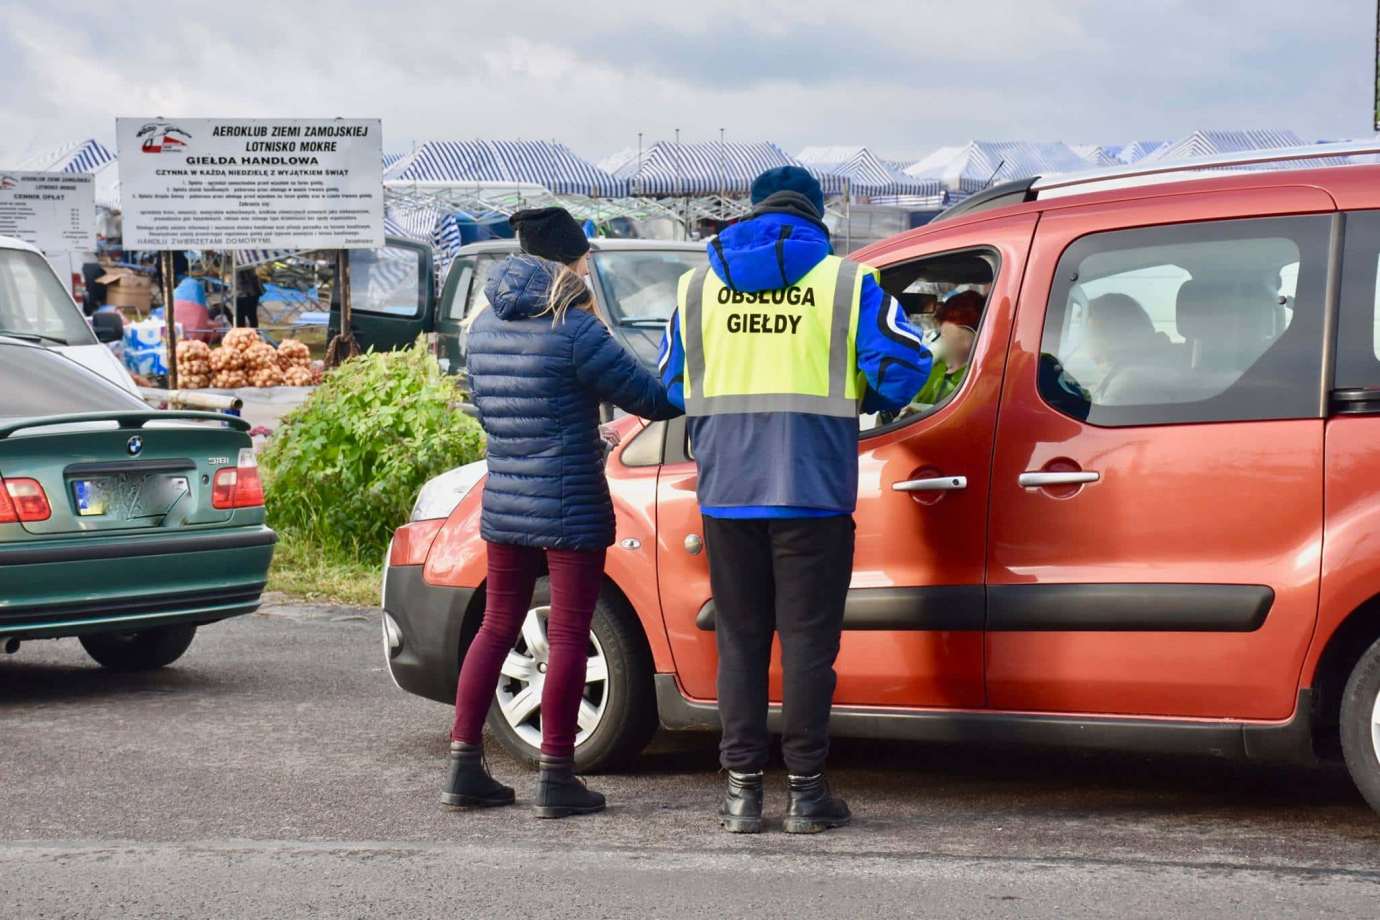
540, 363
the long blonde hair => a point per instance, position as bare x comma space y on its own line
567, 290
567, 287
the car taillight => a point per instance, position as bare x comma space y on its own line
79, 288
238, 486
23, 501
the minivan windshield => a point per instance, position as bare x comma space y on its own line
33, 304
639, 286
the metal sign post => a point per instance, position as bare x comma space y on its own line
234, 289
170, 323
343, 347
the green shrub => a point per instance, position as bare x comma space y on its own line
343, 469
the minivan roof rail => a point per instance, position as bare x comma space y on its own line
1144, 173
1145, 169
1013, 192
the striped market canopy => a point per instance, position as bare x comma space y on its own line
545, 163
979, 164
868, 174
1208, 143
1138, 150
85, 156
668, 169
614, 162
80, 157
1098, 154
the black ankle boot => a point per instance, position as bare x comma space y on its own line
560, 794
811, 807
470, 783
741, 812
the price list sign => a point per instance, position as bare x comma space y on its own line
54, 211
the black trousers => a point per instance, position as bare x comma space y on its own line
789, 576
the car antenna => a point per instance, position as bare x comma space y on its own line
992, 178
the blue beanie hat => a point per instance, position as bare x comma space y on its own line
788, 179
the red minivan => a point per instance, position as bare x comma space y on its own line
1149, 517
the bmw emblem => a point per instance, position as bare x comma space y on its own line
134, 445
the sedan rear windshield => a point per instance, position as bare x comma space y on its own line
34, 305
36, 382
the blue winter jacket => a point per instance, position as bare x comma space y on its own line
538, 387
786, 464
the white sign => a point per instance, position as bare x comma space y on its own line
54, 211
213, 183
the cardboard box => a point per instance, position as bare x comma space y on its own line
127, 288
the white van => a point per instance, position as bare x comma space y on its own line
36, 307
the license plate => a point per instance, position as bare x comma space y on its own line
128, 496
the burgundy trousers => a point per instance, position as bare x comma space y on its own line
513, 571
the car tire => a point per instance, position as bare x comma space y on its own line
144, 650
1360, 725
629, 717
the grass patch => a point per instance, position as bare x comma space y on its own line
305, 570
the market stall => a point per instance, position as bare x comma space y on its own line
974, 166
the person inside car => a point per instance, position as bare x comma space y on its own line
957, 319
1121, 336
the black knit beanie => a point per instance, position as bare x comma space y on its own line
550, 233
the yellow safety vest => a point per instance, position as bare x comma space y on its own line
787, 350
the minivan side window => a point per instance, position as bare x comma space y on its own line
1358, 322
1205, 322
948, 289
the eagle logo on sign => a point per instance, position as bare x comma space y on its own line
161, 137
8, 182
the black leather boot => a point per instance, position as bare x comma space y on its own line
560, 794
470, 784
741, 812
811, 808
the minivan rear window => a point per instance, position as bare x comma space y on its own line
390, 281
1206, 322
35, 382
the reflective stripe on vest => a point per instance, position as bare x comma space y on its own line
767, 360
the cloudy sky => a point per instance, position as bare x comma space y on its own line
902, 76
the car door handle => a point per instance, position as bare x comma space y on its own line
931, 484
1039, 479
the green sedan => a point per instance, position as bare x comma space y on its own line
122, 525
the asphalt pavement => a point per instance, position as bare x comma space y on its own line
275, 771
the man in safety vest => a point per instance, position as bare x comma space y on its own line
774, 349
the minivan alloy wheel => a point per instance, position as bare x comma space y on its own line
523, 677
1375, 726
1360, 724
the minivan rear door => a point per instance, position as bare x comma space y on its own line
1156, 495
392, 295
